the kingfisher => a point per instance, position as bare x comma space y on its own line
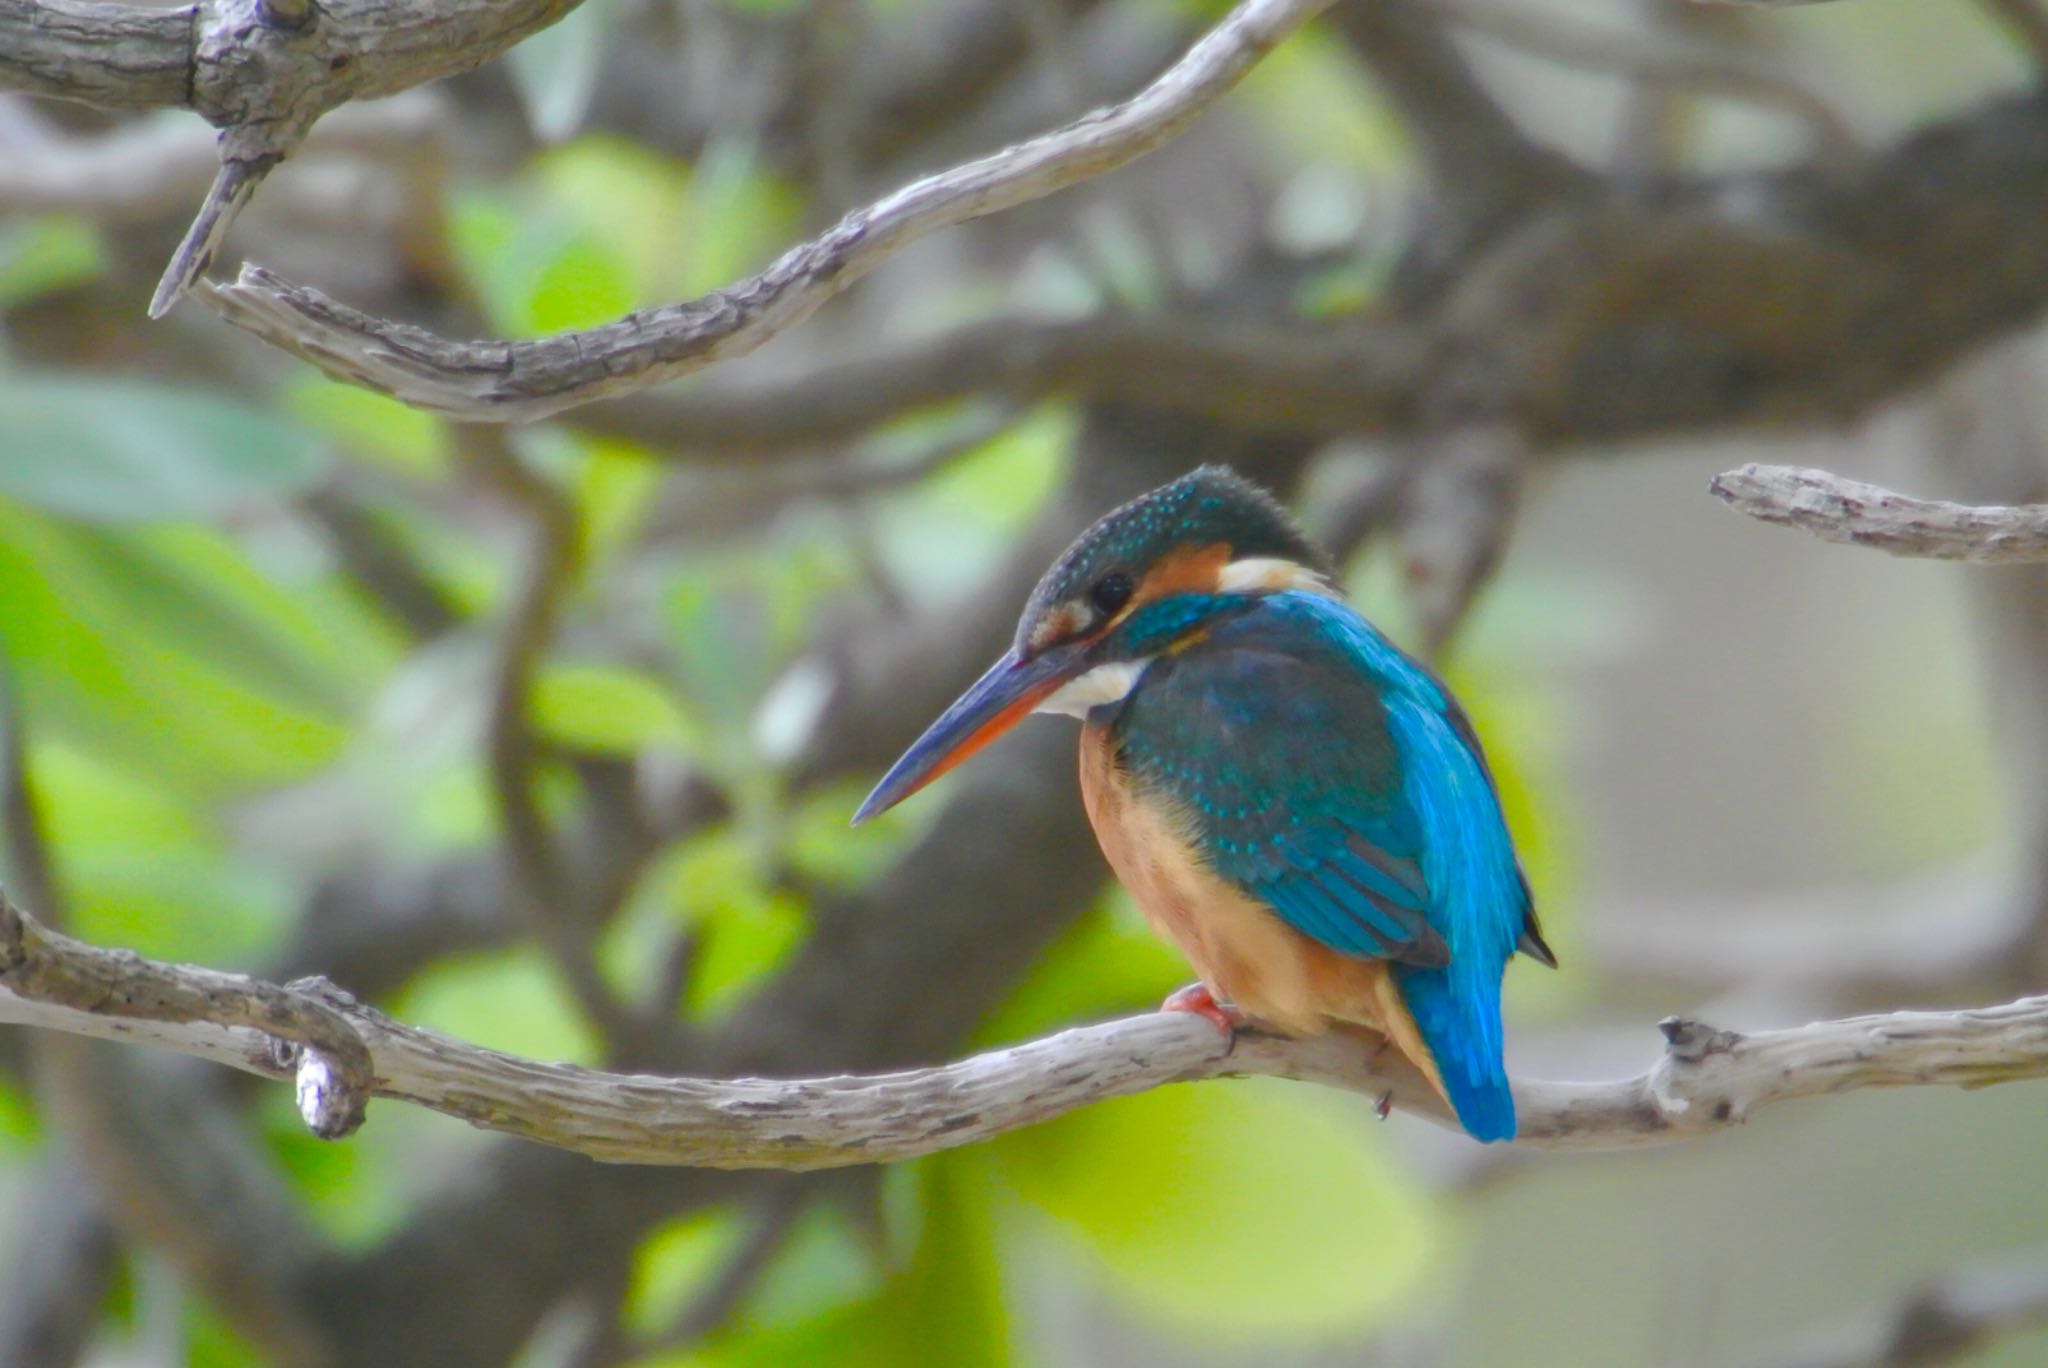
1296, 804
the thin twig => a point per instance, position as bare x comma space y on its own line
519, 381
233, 185
541, 889
1841, 510
1243, 372
1706, 1080
1457, 514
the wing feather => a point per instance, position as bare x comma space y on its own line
1289, 774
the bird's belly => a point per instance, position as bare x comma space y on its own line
1238, 945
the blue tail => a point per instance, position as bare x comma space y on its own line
1457, 1011
1478, 900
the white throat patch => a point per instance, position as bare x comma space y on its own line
1104, 684
1270, 573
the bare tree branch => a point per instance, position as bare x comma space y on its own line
1456, 516
1246, 373
115, 56
1849, 511
1707, 1078
541, 891
1863, 945
330, 1063
262, 71
173, 1170
518, 381
1724, 304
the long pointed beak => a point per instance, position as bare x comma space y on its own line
1011, 689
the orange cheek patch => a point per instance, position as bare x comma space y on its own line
1195, 570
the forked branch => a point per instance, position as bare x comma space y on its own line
261, 71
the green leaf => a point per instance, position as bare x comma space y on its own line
304, 643
1241, 1210
133, 451
945, 530
1311, 100
144, 872
715, 883
607, 708
359, 1192
19, 1125
1342, 289
821, 846
614, 484
1109, 962
510, 1000
738, 218
672, 1262
46, 253
377, 427
601, 226
138, 686
628, 197
582, 284
819, 1303
825, 1266
535, 269
211, 1341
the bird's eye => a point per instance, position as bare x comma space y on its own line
1111, 593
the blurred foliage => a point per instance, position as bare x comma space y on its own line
221, 715
46, 253
192, 657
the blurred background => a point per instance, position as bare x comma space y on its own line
547, 737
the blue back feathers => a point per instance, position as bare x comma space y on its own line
1332, 777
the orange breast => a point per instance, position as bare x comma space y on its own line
1243, 950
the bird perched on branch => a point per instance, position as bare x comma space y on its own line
1298, 806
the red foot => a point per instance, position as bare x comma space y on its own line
1197, 998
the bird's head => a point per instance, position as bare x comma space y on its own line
1144, 579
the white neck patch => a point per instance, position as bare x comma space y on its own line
1104, 684
1269, 574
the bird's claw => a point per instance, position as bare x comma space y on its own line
1197, 998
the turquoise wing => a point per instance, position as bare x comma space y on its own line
1335, 779
1290, 776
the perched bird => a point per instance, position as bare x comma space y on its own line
1298, 806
